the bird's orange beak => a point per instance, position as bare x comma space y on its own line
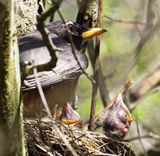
130, 118
71, 122
69, 116
93, 32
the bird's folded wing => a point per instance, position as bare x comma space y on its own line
65, 70
32, 48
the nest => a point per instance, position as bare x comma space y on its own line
53, 138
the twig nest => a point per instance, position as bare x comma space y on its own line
43, 139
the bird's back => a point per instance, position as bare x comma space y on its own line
32, 48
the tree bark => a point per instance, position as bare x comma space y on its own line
88, 12
26, 12
11, 117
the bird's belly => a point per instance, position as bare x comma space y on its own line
57, 96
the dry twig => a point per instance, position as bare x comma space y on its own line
149, 82
123, 21
45, 34
104, 93
84, 143
96, 70
44, 101
45, 104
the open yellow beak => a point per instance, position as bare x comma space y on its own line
71, 122
130, 118
93, 32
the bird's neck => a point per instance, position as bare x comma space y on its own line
77, 41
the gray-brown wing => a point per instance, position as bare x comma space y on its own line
65, 69
33, 48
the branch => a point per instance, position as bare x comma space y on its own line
45, 35
150, 135
96, 68
88, 12
104, 93
40, 90
123, 21
149, 31
148, 83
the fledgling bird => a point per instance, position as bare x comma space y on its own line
58, 83
70, 116
118, 119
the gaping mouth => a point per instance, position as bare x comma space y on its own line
93, 32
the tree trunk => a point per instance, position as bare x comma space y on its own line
11, 117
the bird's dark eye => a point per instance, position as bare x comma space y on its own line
71, 28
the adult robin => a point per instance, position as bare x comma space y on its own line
58, 83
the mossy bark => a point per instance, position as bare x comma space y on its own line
87, 15
11, 117
26, 12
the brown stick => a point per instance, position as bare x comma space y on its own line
41, 93
96, 71
104, 93
145, 85
124, 21
149, 31
45, 34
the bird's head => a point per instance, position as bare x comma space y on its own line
73, 29
118, 120
69, 116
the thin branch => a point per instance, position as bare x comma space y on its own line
150, 135
148, 83
44, 150
45, 104
45, 34
64, 139
149, 31
126, 87
104, 93
51, 11
58, 3
44, 101
123, 21
96, 70
140, 140
98, 153
79, 63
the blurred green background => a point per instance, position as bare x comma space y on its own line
117, 49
